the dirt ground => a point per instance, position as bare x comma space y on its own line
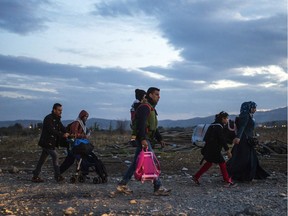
179, 160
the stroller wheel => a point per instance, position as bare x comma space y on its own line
97, 180
105, 179
73, 179
81, 178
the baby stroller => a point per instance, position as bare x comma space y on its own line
87, 161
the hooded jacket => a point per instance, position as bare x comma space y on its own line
78, 127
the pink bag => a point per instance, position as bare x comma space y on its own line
147, 167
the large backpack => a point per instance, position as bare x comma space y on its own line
63, 142
198, 135
201, 129
68, 127
147, 167
134, 118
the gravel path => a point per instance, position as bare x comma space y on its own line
19, 196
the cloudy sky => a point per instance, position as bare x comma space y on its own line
204, 55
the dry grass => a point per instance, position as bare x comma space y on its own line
23, 150
30, 143
271, 134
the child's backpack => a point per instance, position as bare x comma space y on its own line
147, 167
201, 129
198, 135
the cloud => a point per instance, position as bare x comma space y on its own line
205, 56
214, 34
270, 72
21, 17
223, 84
15, 95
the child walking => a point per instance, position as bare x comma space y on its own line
214, 142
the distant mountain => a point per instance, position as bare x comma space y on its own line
260, 116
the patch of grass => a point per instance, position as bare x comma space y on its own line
18, 143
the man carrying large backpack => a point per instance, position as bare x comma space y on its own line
146, 130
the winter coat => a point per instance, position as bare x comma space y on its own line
214, 142
52, 132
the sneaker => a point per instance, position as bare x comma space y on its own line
162, 192
195, 180
124, 189
230, 185
59, 178
37, 179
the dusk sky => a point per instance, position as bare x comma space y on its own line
205, 55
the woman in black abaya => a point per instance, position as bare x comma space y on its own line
244, 164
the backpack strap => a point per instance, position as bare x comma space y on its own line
217, 124
148, 105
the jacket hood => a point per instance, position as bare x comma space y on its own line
83, 113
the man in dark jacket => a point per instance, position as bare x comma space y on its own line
146, 129
53, 132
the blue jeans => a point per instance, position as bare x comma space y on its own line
43, 157
129, 173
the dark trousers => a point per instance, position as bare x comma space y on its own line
69, 160
43, 157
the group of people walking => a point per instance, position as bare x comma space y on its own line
243, 164
53, 134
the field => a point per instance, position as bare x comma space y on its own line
179, 160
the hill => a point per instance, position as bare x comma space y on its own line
260, 116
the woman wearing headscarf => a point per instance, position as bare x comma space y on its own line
78, 130
78, 127
244, 164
